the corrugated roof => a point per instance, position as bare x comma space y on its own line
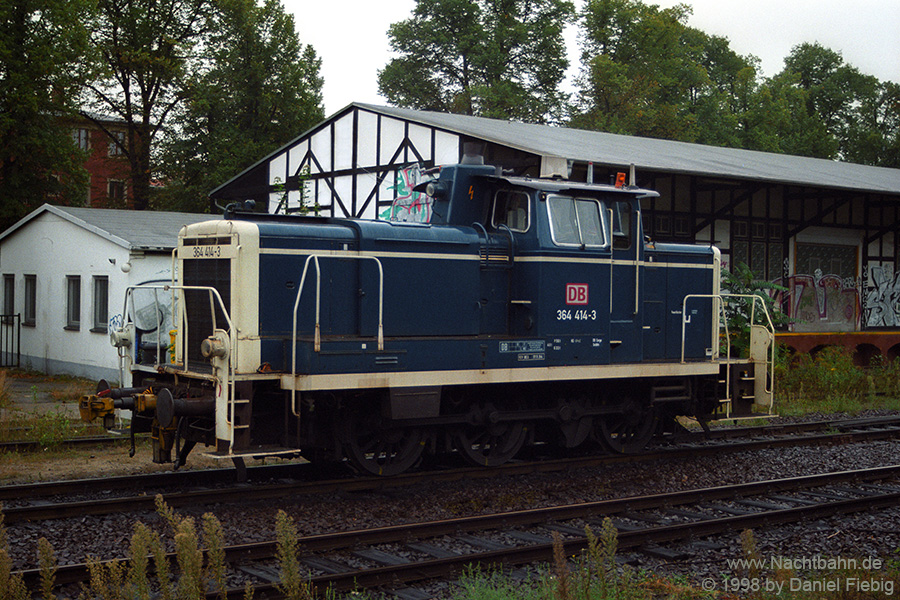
657, 155
131, 229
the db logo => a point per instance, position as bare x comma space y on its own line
576, 293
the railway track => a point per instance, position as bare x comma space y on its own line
405, 555
838, 432
81, 441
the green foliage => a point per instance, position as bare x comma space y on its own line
51, 429
830, 382
43, 59
12, 586
645, 72
146, 47
256, 89
741, 280
491, 58
594, 575
859, 112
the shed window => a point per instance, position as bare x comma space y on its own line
9, 295
73, 302
30, 317
101, 304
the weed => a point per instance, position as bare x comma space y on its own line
47, 562
12, 586
830, 382
750, 554
51, 429
6, 401
293, 585
560, 568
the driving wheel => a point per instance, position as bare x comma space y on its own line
627, 432
380, 448
490, 444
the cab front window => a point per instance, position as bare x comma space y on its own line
576, 222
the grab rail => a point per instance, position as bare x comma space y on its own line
215, 300
719, 303
317, 339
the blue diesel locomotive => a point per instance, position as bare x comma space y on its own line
527, 311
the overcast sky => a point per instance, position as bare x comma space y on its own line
350, 36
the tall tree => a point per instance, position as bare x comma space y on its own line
144, 46
494, 58
259, 87
775, 116
42, 58
645, 72
860, 112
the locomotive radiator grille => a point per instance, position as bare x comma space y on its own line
215, 273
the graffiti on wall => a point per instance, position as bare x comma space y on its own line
883, 298
821, 302
408, 205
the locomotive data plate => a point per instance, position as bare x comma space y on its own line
522, 346
210, 251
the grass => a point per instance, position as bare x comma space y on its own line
49, 427
830, 383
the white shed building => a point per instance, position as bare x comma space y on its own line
65, 271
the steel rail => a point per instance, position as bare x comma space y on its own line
68, 574
146, 502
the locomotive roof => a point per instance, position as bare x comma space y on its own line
566, 186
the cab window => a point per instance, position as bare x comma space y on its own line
576, 222
621, 214
511, 209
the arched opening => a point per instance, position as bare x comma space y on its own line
865, 354
893, 353
815, 350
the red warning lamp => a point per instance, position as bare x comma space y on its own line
620, 180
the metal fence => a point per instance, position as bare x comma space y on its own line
10, 340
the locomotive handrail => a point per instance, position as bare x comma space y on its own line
214, 298
512, 241
317, 340
771, 328
719, 301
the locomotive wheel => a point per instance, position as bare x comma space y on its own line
382, 449
491, 444
626, 433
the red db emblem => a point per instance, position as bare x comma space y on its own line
576, 293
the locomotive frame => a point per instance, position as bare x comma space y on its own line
527, 311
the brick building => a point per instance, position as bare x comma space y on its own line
104, 138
